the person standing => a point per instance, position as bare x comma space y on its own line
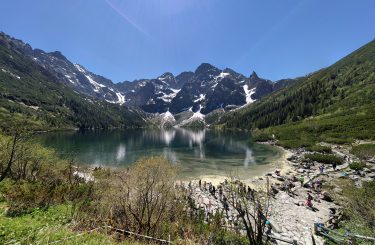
321, 168
302, 179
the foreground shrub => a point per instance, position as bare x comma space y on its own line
34, 177
324, 158
140, 200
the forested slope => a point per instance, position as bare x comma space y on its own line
335, 102
29, 93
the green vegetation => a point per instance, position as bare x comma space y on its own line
42, 226
358, 203
364, 151
28, 93
324, 158
335, 105
43, 199
319, 148
357, 165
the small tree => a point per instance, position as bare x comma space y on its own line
252, 209
141, 199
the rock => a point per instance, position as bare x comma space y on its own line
371, 175
366, 170
354, 177
300, 170
326, 196
373, 168
268, 174
367, 179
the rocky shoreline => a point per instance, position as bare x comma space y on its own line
298, 201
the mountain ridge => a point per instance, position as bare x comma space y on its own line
156, 95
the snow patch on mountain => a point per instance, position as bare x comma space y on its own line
198, 114
249, 93
222, 75
91, 80
121, 98
169, 97
201, 97
167, 119
10, 73
196, 117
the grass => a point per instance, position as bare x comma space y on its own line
324, 158
46, 226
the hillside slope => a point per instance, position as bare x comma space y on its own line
28, 92
335, 102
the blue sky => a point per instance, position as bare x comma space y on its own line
131, 39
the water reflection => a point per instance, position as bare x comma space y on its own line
121, 152
198, 151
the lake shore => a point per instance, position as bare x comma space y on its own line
258, 171
290, 218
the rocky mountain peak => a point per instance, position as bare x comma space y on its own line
205, 68
254, 75
58, 55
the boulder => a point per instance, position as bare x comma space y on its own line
366, 170
326, 196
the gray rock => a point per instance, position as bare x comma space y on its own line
366, 170
300, 170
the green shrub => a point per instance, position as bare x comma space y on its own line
319, 148
324, 158
261, 135
293, 144
340, 141
357, 166
364, 151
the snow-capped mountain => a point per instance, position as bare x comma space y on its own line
206, 89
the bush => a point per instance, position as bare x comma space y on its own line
36, 178
261, 135
319, 148
357, 166
325, 158
364, 151
293, 144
